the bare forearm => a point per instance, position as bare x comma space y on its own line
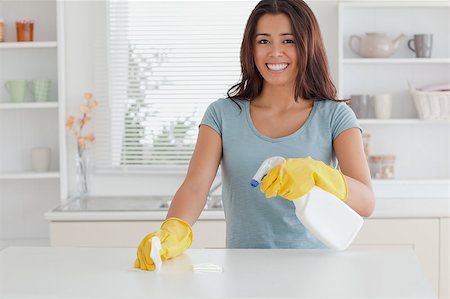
360, 197
187, 204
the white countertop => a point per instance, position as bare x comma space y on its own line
145, 208
52, 272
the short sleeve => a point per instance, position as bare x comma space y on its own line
343, 118
212, 118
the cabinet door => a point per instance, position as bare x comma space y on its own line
421, 234
444, 261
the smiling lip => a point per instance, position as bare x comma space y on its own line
277, 67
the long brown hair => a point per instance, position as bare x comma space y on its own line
313, 79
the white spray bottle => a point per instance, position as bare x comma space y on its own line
324, 215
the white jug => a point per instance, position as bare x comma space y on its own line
324, 215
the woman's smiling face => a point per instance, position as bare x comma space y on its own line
275, 51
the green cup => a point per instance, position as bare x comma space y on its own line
40, 89
16, 90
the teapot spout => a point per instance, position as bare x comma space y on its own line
396, 41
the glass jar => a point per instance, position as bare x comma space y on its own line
2, 31
382, 167
24, 30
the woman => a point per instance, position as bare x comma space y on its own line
285, 105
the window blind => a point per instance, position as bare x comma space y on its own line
165, 62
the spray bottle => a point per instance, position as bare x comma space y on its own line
324, 215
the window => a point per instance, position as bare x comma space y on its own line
165, 62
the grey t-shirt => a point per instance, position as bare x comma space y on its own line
252, 221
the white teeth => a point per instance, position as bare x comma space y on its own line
277, 67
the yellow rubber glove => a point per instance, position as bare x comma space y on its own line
175, 236
295, 177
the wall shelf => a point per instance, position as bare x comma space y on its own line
395, 60
400, 121
401, 3
433, 181
25, 45
29, 105
412, 188
29, 175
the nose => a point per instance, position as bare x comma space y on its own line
276, 51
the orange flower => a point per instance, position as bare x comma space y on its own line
88, 95
82, 141
90, 137
70, 121
84, 109
92, 104
77, 125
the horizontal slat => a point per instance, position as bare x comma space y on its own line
159, 153
211, 51
161, 139
181, 54
186, 66
133, 88
193, 32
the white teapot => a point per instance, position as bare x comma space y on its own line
375, 45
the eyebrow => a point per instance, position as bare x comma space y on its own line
267, 34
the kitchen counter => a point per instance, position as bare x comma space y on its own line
63, 272
148, 208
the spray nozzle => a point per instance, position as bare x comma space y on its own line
265, 167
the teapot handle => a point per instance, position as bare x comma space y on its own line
350, 43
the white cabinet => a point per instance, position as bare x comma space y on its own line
25, 195
420, 234
419, 151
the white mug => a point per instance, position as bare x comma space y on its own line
383, 105
40, 159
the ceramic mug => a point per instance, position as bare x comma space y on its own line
383, 105
16, 90
40, 159
421, 44
361, 104
40, 89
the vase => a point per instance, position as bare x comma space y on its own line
82, 175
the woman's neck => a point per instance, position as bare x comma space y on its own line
279, 98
